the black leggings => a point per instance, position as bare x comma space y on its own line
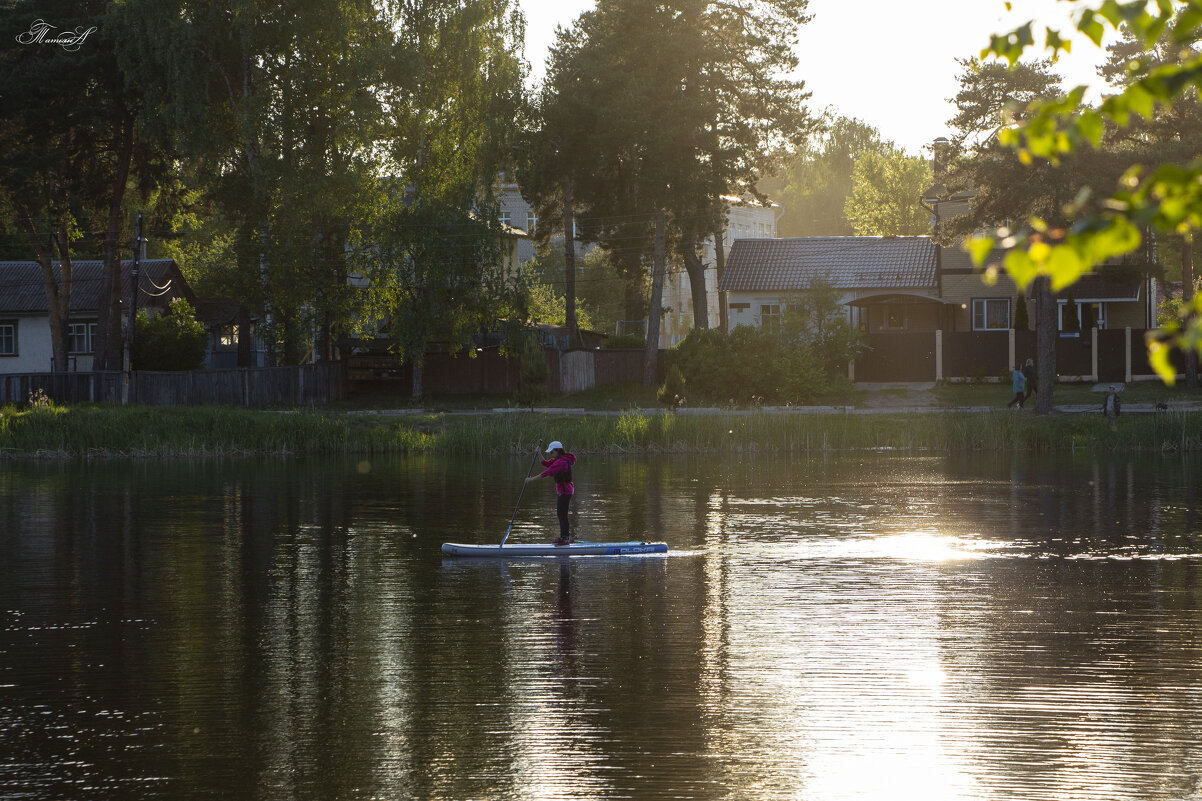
561, 509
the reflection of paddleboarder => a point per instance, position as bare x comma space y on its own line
559, 467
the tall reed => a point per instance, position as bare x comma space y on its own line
91, 430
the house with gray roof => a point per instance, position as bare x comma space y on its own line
25, 345
888, 283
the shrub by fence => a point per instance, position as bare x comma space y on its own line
302, 385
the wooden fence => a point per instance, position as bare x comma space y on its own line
302, 385
488, 372
1095, 355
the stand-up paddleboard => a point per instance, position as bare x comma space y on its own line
547, 549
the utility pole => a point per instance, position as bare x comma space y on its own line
132, 318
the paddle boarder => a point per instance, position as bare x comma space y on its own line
559, 467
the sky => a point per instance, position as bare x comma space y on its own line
887, 62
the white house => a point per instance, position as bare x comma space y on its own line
25, 343
887, 283
745, 219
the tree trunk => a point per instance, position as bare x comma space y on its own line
108, 316
418, 365
1187, 294
655, 310
63, 298
58, 296
1045, 345
267, 330
569, 260
696, 271
719, 268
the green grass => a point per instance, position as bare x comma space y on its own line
96, 431
958, 395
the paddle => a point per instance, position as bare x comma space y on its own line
519, 503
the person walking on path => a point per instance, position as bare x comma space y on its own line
1017, 384
1032, 379
559, 467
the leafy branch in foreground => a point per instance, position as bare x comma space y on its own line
1167, 196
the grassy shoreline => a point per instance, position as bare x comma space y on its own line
101, 432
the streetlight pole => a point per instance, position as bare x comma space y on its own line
132, 319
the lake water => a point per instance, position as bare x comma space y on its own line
867, 626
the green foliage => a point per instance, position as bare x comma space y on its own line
747, 366
546, 305
600, 285
1072, 325
818, 180
172, 341
533, 373
624, 342
1167, 197
816, 320
886, 185
671, 393
1021, 321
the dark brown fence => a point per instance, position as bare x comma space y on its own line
62, 387
1074, 355
1112, 353
977, 354
303, 385
489, 373
898, 357
622, 366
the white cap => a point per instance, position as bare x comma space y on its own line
554, 445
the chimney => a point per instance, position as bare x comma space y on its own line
940, 149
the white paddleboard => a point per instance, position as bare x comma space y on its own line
547, 549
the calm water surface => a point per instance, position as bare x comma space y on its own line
856, 627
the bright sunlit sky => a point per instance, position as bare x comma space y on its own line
888, 62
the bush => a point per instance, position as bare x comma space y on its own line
671, 392
747, 366
175, 340
624, 342
533, 372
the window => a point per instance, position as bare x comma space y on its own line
8, 338
990, 314
894, 317
506, 217
227, 336
79, 337
770, 317
531, 222
1089, 315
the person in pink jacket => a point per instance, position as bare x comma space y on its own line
559, 467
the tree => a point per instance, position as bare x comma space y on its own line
1170, 134
1021, 320
175, 340
1001, 185
601, 293
436, 265
690, 96
1163, 195
818, 180
815, 319
283, 121
1072, 325
886, 187
67, 146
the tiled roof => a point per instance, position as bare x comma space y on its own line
845, 262
21, 290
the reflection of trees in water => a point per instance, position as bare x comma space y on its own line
304, 632
1073, 661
